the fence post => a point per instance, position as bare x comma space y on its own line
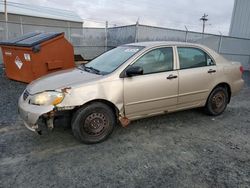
21, 25
136, 31
220, 41
6, 31
69, 34
106, 36
186, 33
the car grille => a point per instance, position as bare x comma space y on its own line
25, 95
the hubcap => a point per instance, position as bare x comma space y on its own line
95, 124
218, 101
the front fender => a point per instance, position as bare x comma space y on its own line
110, 91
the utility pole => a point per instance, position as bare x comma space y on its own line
204, 19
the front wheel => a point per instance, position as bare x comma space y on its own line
217, 101
93, 123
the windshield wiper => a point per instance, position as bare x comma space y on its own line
92, 69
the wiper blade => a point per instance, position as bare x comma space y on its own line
80, 67
92, 69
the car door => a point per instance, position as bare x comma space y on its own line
197, 71
156, 90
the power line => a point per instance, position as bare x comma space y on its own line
20, 5
36, 9
48, 10
67, 13
28, 5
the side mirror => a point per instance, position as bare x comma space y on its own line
134, 71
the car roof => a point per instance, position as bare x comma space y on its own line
161, 43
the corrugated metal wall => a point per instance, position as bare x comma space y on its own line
39, 20
240, 23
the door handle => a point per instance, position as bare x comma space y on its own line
211, 71
171, 77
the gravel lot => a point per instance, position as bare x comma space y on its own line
184, 149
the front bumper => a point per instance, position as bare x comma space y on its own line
30, 113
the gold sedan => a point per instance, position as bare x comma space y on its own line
130, 82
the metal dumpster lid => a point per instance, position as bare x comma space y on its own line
30, 39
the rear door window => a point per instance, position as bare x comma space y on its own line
193, 57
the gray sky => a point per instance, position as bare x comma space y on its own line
162, 13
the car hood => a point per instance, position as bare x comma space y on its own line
61, 79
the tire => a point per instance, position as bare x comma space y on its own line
217, 101
93, 123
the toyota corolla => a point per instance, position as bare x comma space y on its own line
130, 82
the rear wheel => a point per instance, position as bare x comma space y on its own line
93, 123
217, 101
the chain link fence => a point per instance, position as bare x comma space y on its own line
91, 42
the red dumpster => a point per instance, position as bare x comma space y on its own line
36, 54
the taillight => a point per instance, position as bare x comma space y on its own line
241, 69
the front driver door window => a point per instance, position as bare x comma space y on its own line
152, 92
158, 60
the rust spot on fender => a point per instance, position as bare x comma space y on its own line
124, 121
65, 90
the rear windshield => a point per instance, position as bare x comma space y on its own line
111, 60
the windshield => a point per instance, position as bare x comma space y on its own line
111, 60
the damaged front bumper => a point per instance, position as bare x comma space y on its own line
30, 114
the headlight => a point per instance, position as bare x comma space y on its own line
47, 98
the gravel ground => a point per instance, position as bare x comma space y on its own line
183, 149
